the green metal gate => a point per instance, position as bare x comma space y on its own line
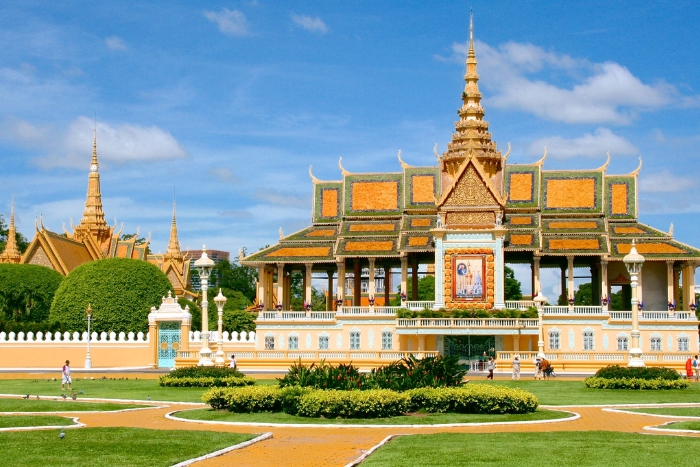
168, 343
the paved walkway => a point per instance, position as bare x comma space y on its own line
340, 446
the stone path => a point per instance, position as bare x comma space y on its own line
339, 446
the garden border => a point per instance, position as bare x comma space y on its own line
669, 431
47, 427
171, 416
697, 417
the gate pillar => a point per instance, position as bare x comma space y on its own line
169, 327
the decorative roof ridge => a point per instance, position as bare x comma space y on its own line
342, 169
604, 167
634, 173
470, 159
403, 164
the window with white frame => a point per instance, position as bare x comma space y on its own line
354, 340
387, 340
622, 343
554, 341
656, 344
269, 342
323, 343
293, 343
683, 344
588, 340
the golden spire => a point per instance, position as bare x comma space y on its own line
174, 244
93, 220
11, 253
472, 130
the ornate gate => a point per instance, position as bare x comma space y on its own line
168, 343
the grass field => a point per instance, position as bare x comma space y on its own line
33, 405
589, 448
682, 411
420, 419
111, 447
16, 421
684, 426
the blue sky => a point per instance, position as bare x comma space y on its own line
228, 103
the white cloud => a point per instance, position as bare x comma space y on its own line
521, 77
230, 22
285, 199
223, 174
115, 43
664, 182
309, 23
71, 147
588, 145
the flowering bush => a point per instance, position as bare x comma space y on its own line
634, 383
245, 399
374, 403
473, 398
205, 381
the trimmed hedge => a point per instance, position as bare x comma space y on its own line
205, 382
474, 398
121, 292
205, 372
26, 292
635, 383
373, 403
617, 372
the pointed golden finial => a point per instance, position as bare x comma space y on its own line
403, 164
437, 156
471, 30
342, 169
636, 171
670, 230
605, 166
505, 157
94, 165
174, 243
11, 253
541, 161
281, 234
313, 179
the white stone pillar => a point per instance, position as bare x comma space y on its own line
604, 292
261, 285
570, 278
669, 281
372, 288
307, 292
404, 277
340, 288
280, 285
536, 275
691, 281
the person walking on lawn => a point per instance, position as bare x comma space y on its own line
689, 368
696, 368
491, 366
65, 376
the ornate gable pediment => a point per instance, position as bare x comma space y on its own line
470, 188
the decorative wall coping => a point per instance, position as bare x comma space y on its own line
138, 338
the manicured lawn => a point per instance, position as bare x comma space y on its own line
33, 405
111, 447
557, 392
682, 411
684, 426
590, 448
15, 421
420, 419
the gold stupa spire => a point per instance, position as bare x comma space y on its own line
174, 243
93, 220
472, 135
11, 253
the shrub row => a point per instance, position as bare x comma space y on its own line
634, 383
408, 373
617, 372
205, 381
205, 372
373, 403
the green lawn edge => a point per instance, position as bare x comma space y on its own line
33, 405
427, 419
670, 411
580, 448
22, 421
692, 426
112, 447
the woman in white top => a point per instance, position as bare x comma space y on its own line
65, 376
233, 362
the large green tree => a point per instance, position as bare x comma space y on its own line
120, 291
426, 291
513, 290
233, 276
22, 242
584, 294
26, 292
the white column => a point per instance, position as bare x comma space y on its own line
570, 277
669, 281
640, 297
280, 285
404, 276
307, 292
635, 351
536, 274
691, 282
604, 282
261, 285
372, 288
340, 288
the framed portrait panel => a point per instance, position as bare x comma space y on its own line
469, 278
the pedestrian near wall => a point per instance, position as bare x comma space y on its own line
233, 362
65, 376
516, 368
696, 368
491, 366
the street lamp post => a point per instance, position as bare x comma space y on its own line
634, 262
204, 266
220, 301
540, 300
88, 360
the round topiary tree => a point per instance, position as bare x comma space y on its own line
26, 292
120, 291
